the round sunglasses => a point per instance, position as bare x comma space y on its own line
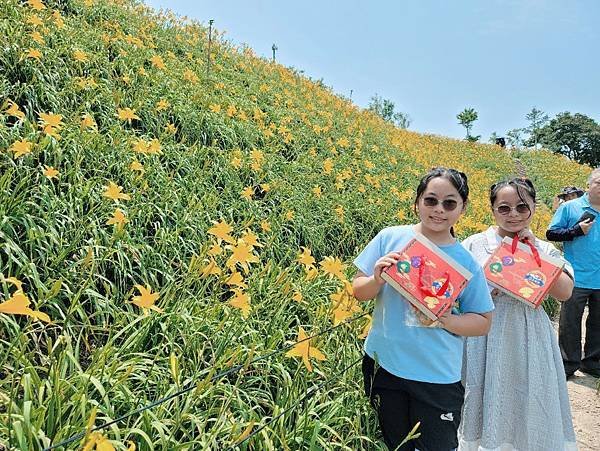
447, 204
506, 209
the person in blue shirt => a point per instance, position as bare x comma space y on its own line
412, 373
575, 223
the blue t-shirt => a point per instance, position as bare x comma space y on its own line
584, 251
397, 339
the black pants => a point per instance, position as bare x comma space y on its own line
569, 334
401, 403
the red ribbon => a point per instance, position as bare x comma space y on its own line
428, 290
534, 251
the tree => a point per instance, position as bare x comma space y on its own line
515, 137
386, 109
493, 137
537, 119
575, 135
466, 118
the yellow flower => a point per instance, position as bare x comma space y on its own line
305, 258
190, 76
222, 231
248, 192
14, 110
158, 62
241, 301
265, 187
334, 267
250, 238
98, 442
303, 349
20, 148
51, 172
118, 219
210, 268
146, 299
297, 296
18, 304
236, 279
215, 108
127, 114
339, 211
87, 121
37, 37
289, 215
80, 56
241, 254
265, 226
153, 147
162, 105
58, 20
231, 111
327, 166
170, 128
317, 191
49, 120
215, 250
113, 191
33, 53
34, 21
136, 166
36, 5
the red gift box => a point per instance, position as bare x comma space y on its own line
427, 277
521, 271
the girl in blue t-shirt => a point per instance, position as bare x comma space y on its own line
412, 372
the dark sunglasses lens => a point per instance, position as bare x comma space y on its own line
430, 201
522, 208
449, 204
504, 209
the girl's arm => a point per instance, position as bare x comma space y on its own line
467, 324
562, 288
367, 287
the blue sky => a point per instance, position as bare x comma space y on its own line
432, 58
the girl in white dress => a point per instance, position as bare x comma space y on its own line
515, 389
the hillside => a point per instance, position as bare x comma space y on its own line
173, 222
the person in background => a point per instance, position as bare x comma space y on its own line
575, 224
568, 193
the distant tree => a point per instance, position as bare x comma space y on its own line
575, 135
515, 137
493, 137
537, 119
466, 118
386, 109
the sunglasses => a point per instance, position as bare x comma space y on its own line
447, 204
506, 209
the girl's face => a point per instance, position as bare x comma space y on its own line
440, 205
510, 212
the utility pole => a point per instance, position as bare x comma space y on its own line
210, 22
351, 91
274, 48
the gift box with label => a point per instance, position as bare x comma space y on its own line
521, 271
427, 277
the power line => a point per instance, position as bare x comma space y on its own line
183, 391
307, 395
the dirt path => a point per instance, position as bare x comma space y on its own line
585, 407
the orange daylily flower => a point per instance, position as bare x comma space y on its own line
146, 299
222, 231
18, 304
114, 192
305, 350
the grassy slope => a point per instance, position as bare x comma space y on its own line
248, 124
